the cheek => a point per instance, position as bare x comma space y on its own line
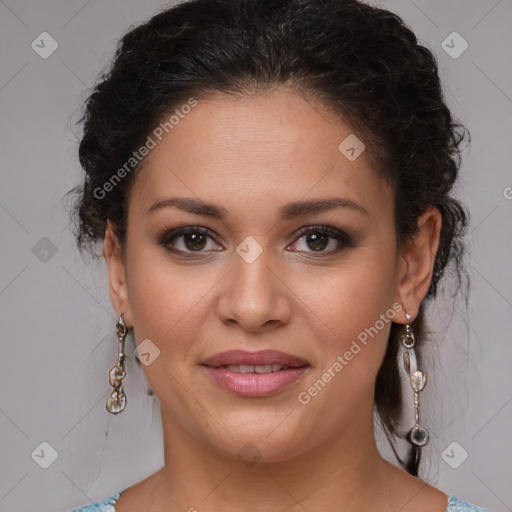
351, 297
162, 296
165, 303
354, 314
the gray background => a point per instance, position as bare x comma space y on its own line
57, 322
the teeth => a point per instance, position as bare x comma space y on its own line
267, 368
247, 368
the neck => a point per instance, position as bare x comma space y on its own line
344, 469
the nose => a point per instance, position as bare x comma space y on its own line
254, 296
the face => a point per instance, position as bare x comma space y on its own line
297, 252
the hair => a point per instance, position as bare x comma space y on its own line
361, 62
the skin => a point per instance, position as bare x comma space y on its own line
241, 154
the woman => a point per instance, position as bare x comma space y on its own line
271, 182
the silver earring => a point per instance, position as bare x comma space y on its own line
117, 399
418, 436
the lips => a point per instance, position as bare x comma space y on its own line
255, 374
261, 358
248, 368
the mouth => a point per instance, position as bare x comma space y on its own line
248, 368
263, 361
255, 374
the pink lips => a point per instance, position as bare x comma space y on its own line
263, 357
255, 384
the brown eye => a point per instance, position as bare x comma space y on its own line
194, 241
318, 239
187, 240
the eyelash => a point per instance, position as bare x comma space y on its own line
341, 237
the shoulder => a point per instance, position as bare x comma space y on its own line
457, 505
107, 505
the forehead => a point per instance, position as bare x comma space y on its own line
257, 150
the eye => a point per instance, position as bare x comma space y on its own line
318, 239
193, 239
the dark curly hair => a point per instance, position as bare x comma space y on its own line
360, 61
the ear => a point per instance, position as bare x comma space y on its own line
416, 263
116, 267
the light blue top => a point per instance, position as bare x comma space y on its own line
454, 505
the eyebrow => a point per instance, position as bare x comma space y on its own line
287, 212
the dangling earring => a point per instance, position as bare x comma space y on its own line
418, 436
117, 399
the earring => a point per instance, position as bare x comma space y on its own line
418, 436
117, 399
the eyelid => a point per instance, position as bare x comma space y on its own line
328, 230
168, 234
